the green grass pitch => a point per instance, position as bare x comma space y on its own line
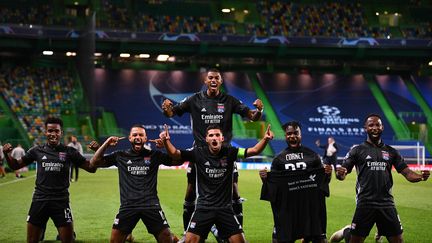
95, 201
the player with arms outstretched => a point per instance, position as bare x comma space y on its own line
214, 165
374, 161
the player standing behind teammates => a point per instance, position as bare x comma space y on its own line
373, 161
51, 196
298, 158
211, 107
330, 151
76, 145
214, 165
138, 168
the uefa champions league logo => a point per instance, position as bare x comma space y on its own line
328, 110
332, 122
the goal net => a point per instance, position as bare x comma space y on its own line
413, 154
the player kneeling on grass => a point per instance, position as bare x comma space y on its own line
214, 165
138, 168
375, 205
51, 195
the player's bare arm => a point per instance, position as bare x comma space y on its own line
88, 167
259, 147
172, 151
98, 160
415, 177
341, 173
255, 115
93, 145
167, 107
158, 142
12, 162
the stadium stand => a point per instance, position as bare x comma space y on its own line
297, 18
326, 19
33, 93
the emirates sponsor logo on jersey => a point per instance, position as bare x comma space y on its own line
211, 118
377, 165
138, 170
215, 173
52, 166
62, 156
220, 108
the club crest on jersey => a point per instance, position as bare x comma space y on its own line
223, 161
220, 108
62, 156
385, 155
147, 160
192, 225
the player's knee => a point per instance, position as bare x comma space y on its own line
238, 238
395, 239
165, 236
192, 238
33, 238
117, 236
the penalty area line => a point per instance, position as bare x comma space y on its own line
17, 180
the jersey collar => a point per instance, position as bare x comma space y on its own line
380, 145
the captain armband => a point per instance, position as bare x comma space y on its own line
241, 154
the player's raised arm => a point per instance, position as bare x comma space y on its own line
415, 177
167, 107
259, 147
12, 162
158, 142
172, 151
93, 145
97, 160
255, 115
87, 166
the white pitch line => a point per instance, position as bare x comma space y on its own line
17, 180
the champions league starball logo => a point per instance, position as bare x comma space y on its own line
328, 110
332, 123
331, 115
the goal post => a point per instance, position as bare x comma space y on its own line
412, 153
